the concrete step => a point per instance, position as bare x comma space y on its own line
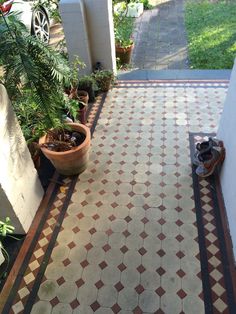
149, 75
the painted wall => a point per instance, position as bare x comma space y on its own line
227, 132
89, 32
20, 188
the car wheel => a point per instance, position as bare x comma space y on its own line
40, 25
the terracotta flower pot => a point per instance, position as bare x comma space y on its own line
82, 115
73, 161
124, 54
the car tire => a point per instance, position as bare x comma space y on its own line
40, 25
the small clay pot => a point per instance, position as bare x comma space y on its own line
124, 54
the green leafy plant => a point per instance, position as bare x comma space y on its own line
123, 32
6, 230
104, 78
34, 75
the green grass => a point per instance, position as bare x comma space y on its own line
211, 30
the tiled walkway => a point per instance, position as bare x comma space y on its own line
160, 37
129, 242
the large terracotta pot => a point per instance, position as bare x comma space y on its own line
124, 54
73, 161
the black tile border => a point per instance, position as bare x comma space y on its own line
225, 258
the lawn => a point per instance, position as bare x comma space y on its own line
211, 31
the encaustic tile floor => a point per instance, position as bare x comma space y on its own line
137, 232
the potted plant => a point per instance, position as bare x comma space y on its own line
6, 230
104, 79
123, 40
34, 71
88, 84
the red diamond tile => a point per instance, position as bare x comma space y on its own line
162, 208
103, 265
112, 217
104, 181
92, 230
162, 195
128, 218
79, 282
114, 205
106, 247
84, 203
116, 193
126, 233
161, 253
130, 205
178, 209
99, 204
160, 291
87, 191
146, 194
119, 286
146, 206
143, 235
102, 192
161, 221
133, 182
74, 304
131, 193
96, 217
95, 306
99, 284
80, 215
161, 271
54, 301
144, 220
118, 182
180, 273
124, 249
60, 281
76, 229
181, 293
180, 254
66, 262
178, 196
109, 232
179, 223
161, 236
179, 238
159, 312
147, 183
88, 246
142, 251
84, 264
141, 269
116, 308
90, 181
71, 245
121, 267
137, 310
139, 289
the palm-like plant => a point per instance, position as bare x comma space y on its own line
32, 69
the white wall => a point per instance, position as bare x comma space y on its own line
20, 189
227, 132
89, 32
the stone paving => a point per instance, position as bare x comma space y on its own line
160, 37
128, 241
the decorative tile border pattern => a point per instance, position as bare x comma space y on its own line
129, 241
217, 274
42, 239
